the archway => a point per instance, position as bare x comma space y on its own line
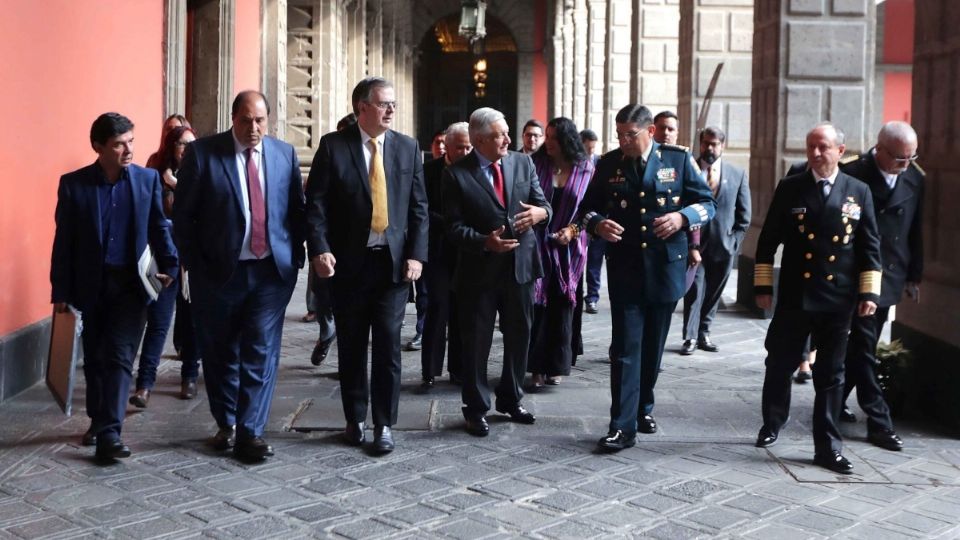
446, 88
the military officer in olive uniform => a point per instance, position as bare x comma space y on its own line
896, 183
641, 199
830, 266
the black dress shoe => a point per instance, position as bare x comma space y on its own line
705, 344
383, 440
188, 389
615, 441
688, 347
320, 351
354, 434
89, 437
846, 415
591, 308
518, 414
426, 384
112, 450
834, 461
802, 376
140, 398
224, 439
646, 424
766, 438
414, 344
885, 438
477, 426
255, 449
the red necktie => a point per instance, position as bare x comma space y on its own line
498, 183
258, 214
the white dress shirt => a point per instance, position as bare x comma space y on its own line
890, 179
375, 238
830, 181
246, 253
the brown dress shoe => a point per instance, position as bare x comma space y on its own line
188, 389
140, 398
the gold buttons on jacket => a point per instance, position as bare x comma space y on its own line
846, 239
810, 236
643, 245
808, 256
849, 229
806, 275
836, 238
643, 228
642, 194
829, 277
643, 210
832, 258
845, 219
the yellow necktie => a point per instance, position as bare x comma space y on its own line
712, 181
378, 189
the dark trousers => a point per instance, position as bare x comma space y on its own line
159, 317
702, 300
478, 308
239, 326
111, 335
421, 301
639, 333
595, 253
785, 341
441, 332
552, 338
320, 302
366, 304
861, 369
189, 347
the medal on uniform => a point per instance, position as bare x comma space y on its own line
661, 201
846, 239
623, 203
801, 228
850, 209
667, 175
676, 199
849, 228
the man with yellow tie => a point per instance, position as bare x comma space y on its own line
367, 231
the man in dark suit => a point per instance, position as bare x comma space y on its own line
107, 214
491, 200
367, 229
719, 241
896, 183
830, 266
441, 332
239, 222
642, 197
596, 249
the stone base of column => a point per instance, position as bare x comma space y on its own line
745, 265
934, 377
23, 358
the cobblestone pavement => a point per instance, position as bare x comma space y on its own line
699, 476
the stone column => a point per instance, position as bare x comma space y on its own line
374, 26
274, 47
175, 57
304, 127
556, 61
567, 59
596, 81
355, 33
653, 54
813, 60
330, 62
617, 73
710, 33
929, 328
580, 51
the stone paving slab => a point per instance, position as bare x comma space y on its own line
698, 477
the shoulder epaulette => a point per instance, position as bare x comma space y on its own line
918, 168
674, 147
849, 158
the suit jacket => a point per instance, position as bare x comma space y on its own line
339, 206
900, 219
441, 251
208, 210
76, 265
721, 237
831, 249
671, 182
472, 210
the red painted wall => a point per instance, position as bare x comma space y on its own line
539, 62
64, 63
898, 30
246, 70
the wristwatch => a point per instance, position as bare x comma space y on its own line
694, 246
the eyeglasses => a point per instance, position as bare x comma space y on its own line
900, 159
630, 135
384, 105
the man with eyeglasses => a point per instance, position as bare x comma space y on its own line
642, 198
896, 182
367, 230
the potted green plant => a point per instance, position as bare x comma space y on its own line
893, 373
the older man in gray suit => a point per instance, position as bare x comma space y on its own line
720, 241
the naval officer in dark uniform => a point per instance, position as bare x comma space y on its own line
642, 197
829, 267
896, 183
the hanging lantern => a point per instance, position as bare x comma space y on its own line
472, 20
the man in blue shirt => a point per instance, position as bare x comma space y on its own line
107, 215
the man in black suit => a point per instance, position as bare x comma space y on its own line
107, 214
367, 229
441, 331
830, 266
239, 222
491, 200
896, 183
719, 241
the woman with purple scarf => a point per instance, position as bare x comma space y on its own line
564, 171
